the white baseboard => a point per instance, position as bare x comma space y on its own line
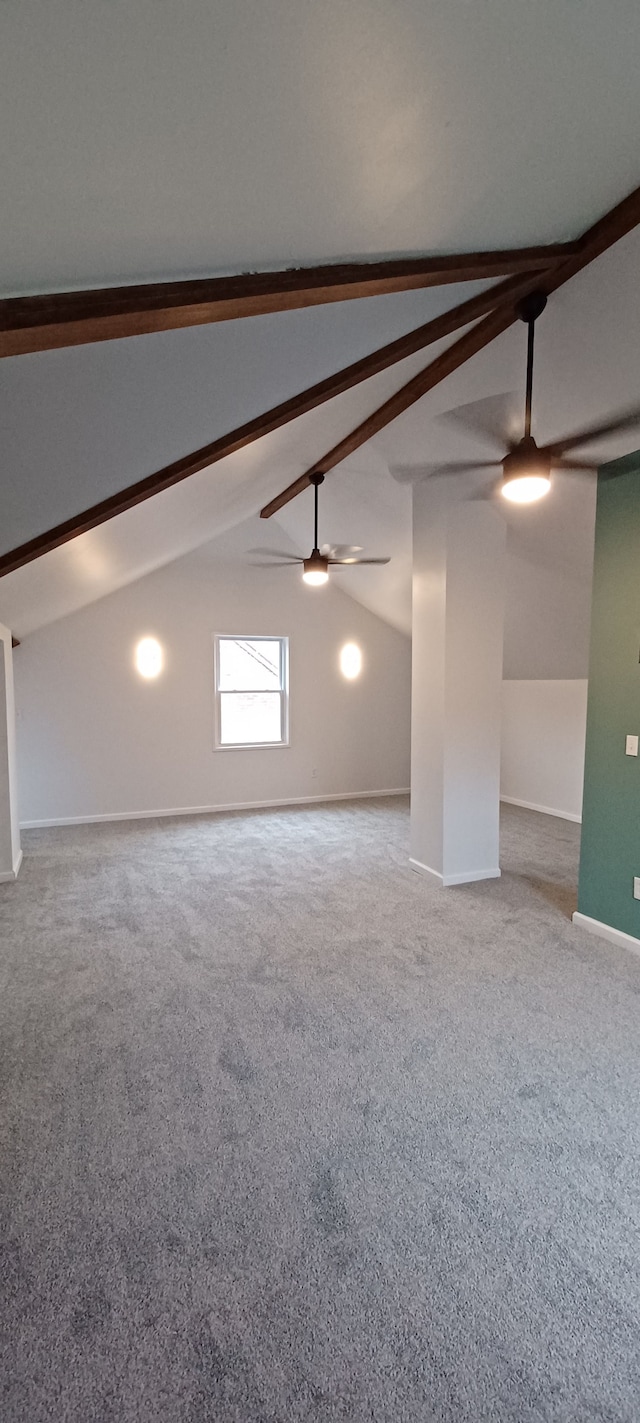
472, 876
447, 880
208, 809
606, 931
7, 876
543, 809
425, 870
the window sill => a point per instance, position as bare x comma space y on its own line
253, 746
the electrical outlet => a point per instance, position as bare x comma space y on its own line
636, 886
631, 746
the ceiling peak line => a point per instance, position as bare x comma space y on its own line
51, 321
615, 224
300, 404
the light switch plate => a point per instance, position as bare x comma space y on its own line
636, 886
631, 748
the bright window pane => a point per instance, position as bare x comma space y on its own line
251, 665
250, 718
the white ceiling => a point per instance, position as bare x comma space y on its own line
149, 138
152, 140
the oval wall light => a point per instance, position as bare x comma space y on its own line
149, 657
350, 661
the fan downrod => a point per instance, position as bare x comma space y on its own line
315, 479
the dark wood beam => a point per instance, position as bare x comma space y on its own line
46, 322
443, 366
609, 229
615, 224
574, 256
300, 404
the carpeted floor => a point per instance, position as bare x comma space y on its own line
289, 1135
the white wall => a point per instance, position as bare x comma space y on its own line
547, 621
94, 739
10, 852
543, 738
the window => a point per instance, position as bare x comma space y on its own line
252, 695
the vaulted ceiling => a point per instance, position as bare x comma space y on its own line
148, 141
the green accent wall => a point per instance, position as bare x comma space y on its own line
610, 849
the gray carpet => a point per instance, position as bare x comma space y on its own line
289, 1135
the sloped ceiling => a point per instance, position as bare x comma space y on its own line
82, 423
588, 365
150, 140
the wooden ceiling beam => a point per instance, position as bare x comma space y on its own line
615, 224
300, 404
50, 321
444, 365
609, 229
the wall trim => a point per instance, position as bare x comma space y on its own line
208, 809
8, 876
606, 931
426, 870
542, 809
446, 881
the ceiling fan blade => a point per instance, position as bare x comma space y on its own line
276, 562
462, 467
349, 562
277, 553
415, 474
493, 419
340, 550
585, 465
624, 420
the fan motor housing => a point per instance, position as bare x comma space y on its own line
525, 459
316, 563
526, 465
531, 306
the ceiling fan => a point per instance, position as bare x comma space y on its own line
316, 566
527, 466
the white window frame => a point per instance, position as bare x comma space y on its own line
219, 745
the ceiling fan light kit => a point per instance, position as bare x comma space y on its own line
526, 473
315, 569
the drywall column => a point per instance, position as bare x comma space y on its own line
458, 615
10, 852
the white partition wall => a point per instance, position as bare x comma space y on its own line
543, 740
10, 852
458, 615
